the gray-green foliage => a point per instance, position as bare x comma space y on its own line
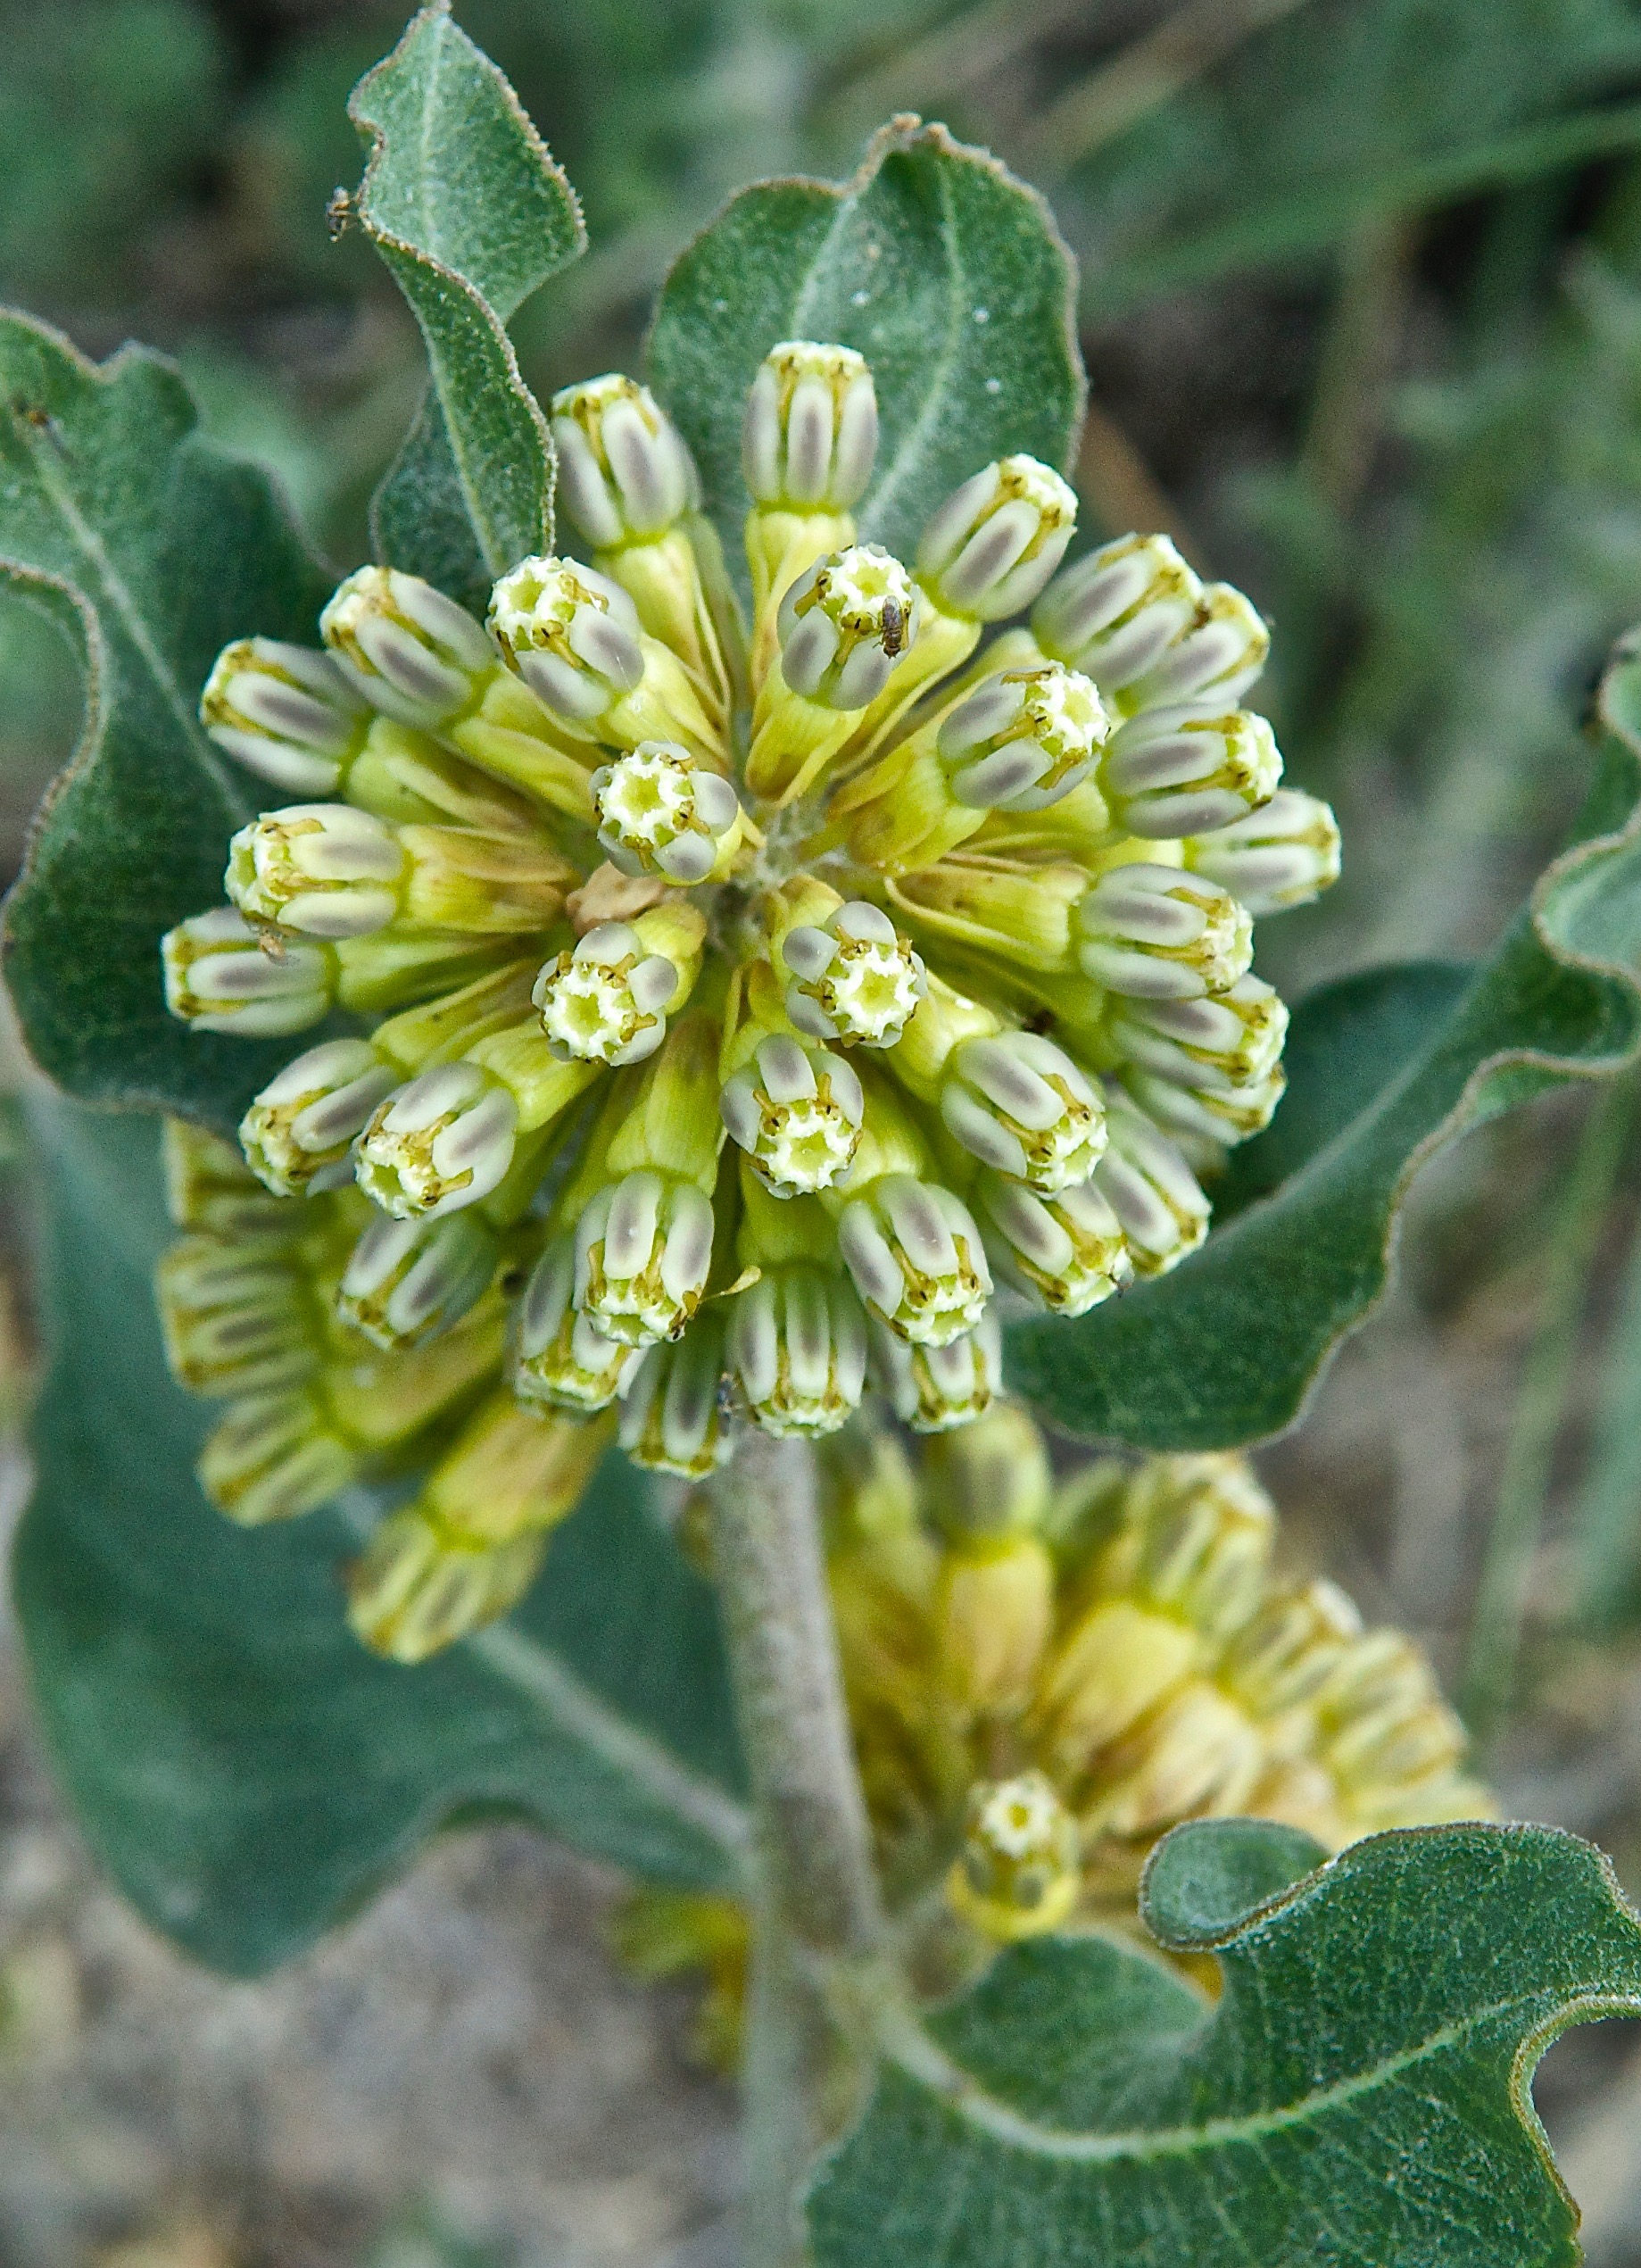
470, 213
151, 548
248, 1772
1382, 1069
245, 1769
946, 273
1359, 2093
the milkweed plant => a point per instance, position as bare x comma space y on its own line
727, 1029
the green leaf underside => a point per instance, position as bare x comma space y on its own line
1341, 111
151, 549
246, 1770
1358, 2096
943, 270
1384, 1068
470, 213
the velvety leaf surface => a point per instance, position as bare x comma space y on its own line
1208, 1874
949, 276
245, 1769
469, 212
1385, 1068
1358, 2095
151, 549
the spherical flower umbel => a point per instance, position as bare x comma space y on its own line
741, 1020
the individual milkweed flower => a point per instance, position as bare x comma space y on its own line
674, 1415
1050, 1675
757, 1000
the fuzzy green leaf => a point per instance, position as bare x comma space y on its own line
151, 549
468, 209
949, 276
1358, 2094
1385, 1068
245, 1769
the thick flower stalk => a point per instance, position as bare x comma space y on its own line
734, 1017
1044, 1678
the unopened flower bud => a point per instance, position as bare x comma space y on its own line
933, 1388
563, 1357
1384, 1721
643, 1252
420, 1587
855, 979
1213, 662
624, 472
223, 976
1283, 854
1283, 1656
1206, 1112
916, 1257
275, 1456
283, 711
1233, 1040
571, 634
606, 1001
1024, 739
797, 1349
1152, 1191
1067, 1252
210, 1186
412, 652
1019, 1874
470, 1544
796, 1112
1020, 1104
299, 1132
1016, 910
406, 1281
322, 868
673, 1412
844, 625
1197, 1541
1158, 933
1116, 611
1173, 771
989, 1481
233, 1322
995, 542
444, 1141
659, 811
811, 433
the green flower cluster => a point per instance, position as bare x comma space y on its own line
728, 1016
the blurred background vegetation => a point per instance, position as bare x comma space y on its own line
1362, 307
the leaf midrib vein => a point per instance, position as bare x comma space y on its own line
536, 1671
913, 2049
911, 450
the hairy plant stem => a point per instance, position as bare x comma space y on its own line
817, 1899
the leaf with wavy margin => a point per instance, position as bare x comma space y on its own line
150, 548
947, 274
466, 205
244, 1768
1386, 1067
1359, 2094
